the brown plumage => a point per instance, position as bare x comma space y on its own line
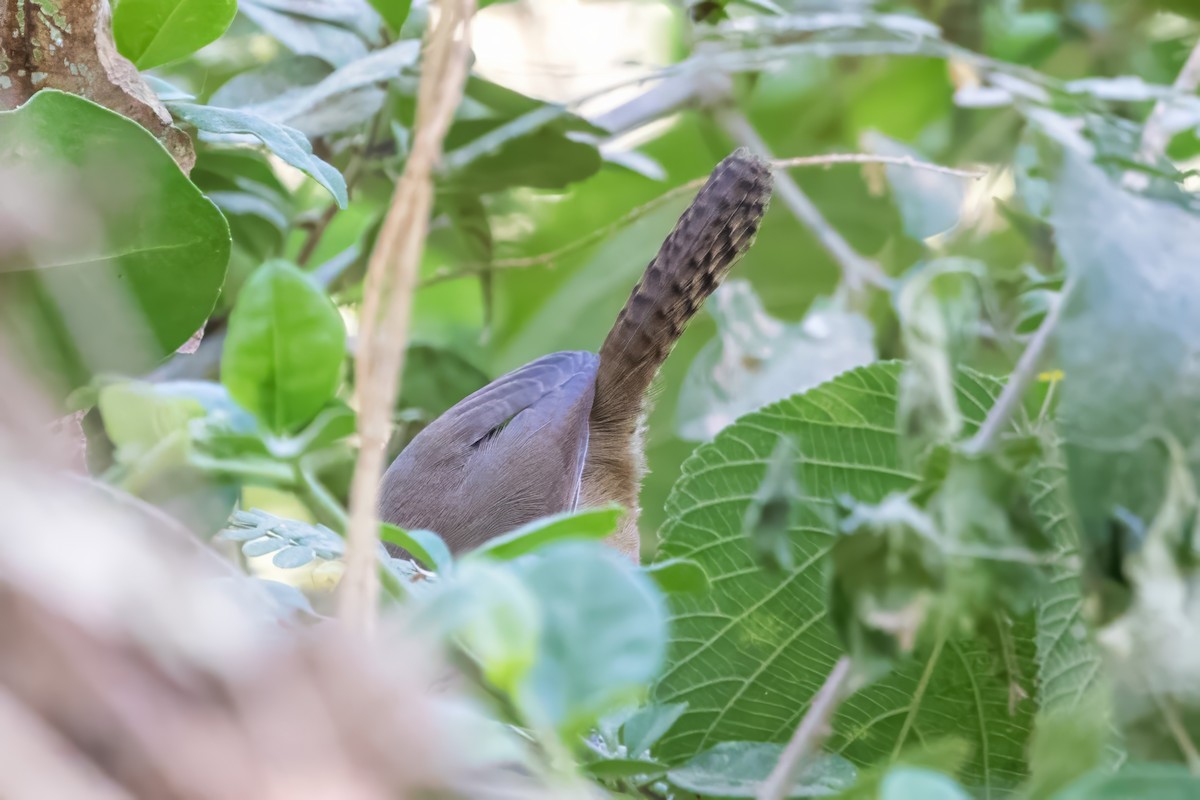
567, 428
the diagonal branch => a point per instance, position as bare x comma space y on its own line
1018, 383
813, 728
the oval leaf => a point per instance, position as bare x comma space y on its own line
284, 349
425, 546
930, 202
593, 523
293, 557
737, 769
260, 547
678, 575
913, 783
153, 32
603, 633
641, 731
288, 143
394, 12
120, 259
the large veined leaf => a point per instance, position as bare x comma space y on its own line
119, 258
749, 654
1069, 664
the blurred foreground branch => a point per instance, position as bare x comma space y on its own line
387, 299
139, 664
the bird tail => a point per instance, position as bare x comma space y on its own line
711, 236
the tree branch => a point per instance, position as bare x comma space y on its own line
1014, 390
813, 728
387, 300
830, 159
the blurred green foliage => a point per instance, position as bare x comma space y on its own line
970, 542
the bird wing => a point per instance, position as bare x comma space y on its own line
507, 454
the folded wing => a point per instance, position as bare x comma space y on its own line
507, 454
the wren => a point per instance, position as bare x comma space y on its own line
566, 430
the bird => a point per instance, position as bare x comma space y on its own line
566, 430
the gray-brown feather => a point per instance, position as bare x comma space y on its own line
711, 236
566, 428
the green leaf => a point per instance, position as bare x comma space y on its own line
592, 523
332, 31
1134, 782
262, 546
938, 304
284, 348
747, 654
617, 768
1069, 663
293, 557
912, 783
773, 511
1068, 742
1131, 259
758, 359
678, 575
888, 566
138, 416
302, 94
527, 143
289, 144
501, 623
643, 730
154, 32
603, 636
394, 12
929, 202
123, 257
942, 755
737, 769
425, 546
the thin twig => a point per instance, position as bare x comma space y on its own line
549, 258
870, 158
387, 299
1024, 374
813, 728
858, 273
354, 171
315, 234
1179, 732
1154, 133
